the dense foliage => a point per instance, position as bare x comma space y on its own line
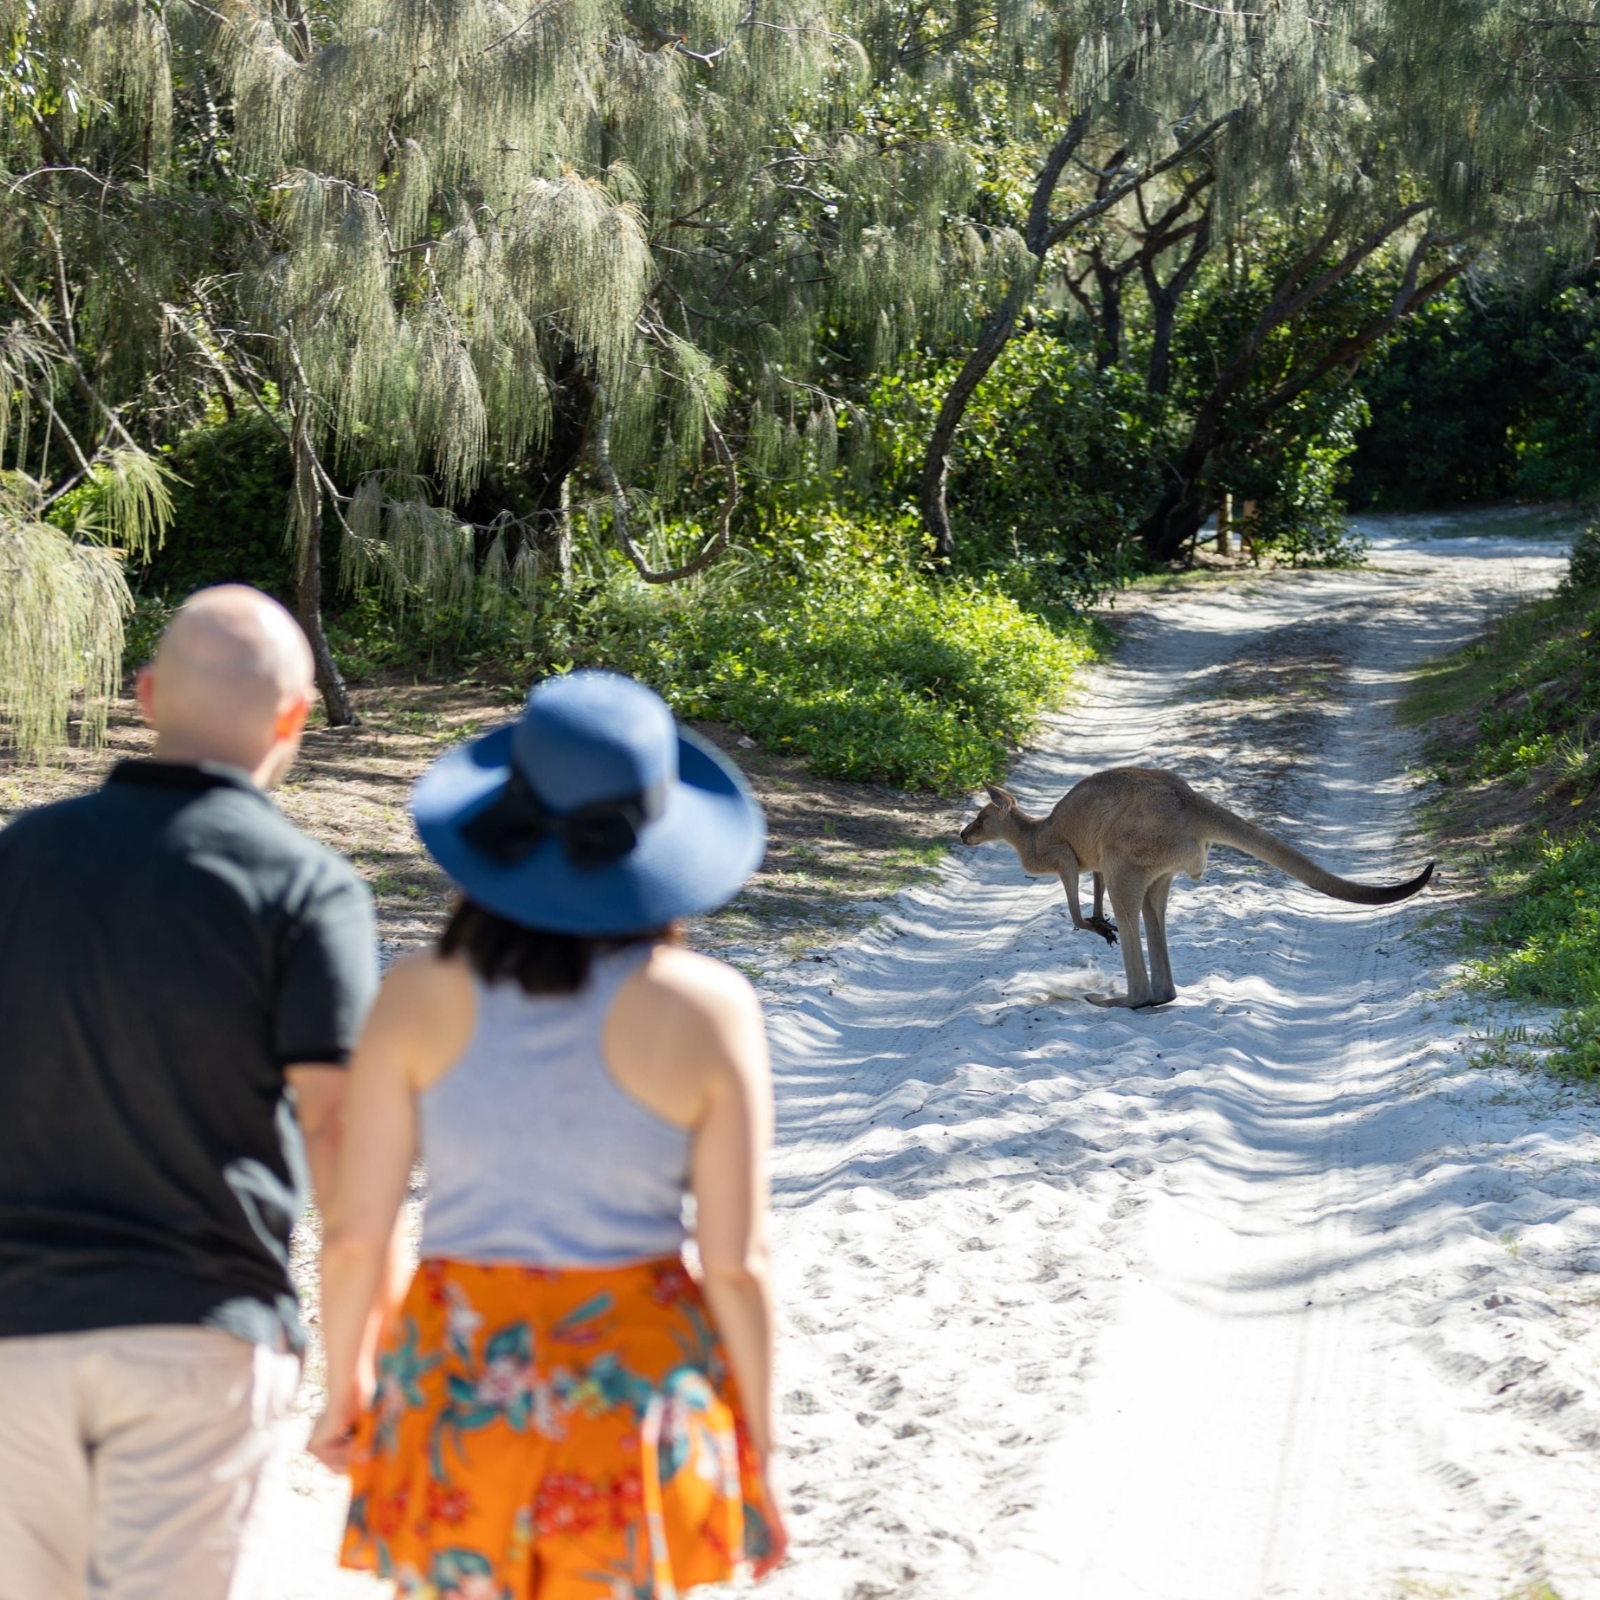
879, 675
1054, 467
860, 665
1493, 394
230, 485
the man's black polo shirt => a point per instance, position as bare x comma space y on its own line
168, 945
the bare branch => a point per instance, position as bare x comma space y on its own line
680, 43
1285, 306
1087, 213
1409, 298
69, 357
619, 504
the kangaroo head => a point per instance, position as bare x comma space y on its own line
990, 822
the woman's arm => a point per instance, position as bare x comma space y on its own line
730, 1189
685, 1036
732, 1140
408, 1039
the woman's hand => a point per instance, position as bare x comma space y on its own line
362, 1228
333, 1431
777, 1550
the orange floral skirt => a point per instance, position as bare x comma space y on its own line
553, 1435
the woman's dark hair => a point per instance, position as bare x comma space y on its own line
542, 962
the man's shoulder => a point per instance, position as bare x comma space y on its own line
57, 819
331, 872
229, 829
261, 835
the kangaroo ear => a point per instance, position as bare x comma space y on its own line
999, 795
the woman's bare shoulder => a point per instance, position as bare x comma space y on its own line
689, 1008
697, 982
431, 1001
681, 1025
425, 975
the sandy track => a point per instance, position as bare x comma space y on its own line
1265, 1294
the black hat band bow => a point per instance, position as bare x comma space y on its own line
517, 821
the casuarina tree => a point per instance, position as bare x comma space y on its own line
502, 237
452, 252
86, 246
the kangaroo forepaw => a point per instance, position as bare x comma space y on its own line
1104, 927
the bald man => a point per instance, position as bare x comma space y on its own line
182, 975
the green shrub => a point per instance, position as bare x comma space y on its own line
144, 628
1053, 466
877, 675
1491, 392
1551, 930
1576, 1038
1549, 939
1546, 698
1583, 567
1294, 474
230, 510
825, 643
490, 641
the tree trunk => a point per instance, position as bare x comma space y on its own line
308, 586
1158, 378
1178, 514
1108, 343
563, 535
1041, 236
1224, 518
1247, 532
936, 462
549, 477
535, 493
1164, 298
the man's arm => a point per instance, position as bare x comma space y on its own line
325, 988
319, 1097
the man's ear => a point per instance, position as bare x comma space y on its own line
999, 795
291, 719
144, 688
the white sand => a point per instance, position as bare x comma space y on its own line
1263, 1294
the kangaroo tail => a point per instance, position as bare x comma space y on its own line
1223, 827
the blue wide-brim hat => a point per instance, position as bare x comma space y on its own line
593, 813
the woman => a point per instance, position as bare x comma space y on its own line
552, 1414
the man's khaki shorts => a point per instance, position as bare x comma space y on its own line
130, 1460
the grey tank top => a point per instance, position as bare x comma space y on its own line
535, 1153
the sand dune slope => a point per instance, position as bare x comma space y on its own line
1263, 1294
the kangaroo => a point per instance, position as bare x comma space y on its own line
1134, 828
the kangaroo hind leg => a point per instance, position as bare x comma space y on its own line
1068, 866
1162, 988
1127, 886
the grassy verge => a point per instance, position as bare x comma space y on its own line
865, 668
885, 677
1515, 744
